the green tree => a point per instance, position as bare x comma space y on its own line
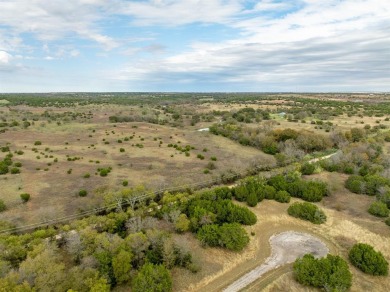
331, 272
233, 236
378, 209
308, 168
365, 258
307, 211
152, 278
182, 223
251, 199
356, 184
209, 235
282, 197
121, 264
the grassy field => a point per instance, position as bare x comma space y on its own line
55, 171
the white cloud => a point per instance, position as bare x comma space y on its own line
179, 12
5, 58
52, 20
338, 43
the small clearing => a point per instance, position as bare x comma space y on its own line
286, 248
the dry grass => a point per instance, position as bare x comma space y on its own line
153, 166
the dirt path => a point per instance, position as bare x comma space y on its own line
286, 248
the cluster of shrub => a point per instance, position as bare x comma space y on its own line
245, 115
214, 218
7, 165
372, 185
273, 141
332, 273
279, 188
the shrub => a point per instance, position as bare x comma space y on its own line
152, 278
385, 198
125, 183
233, 236
18, 164
365, 258
25, 197
251, 199
269, 192
230, 235
282, 197
307, 211
387, 221
378, 209
200, 156
37, 143
211, 166
182, 223
313, 191
3, 207
278, 182
104, 172
122, 150
83, 193
356, 184
209, 235
87, 175
308, 168
15, 170
331, 273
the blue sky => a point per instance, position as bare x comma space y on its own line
194, 45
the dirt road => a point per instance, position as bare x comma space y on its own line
286, 248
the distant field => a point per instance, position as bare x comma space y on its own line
54, 172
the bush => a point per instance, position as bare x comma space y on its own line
154, 278
365, 258
282, 197
122, 150
331, 273
251, 199
15, 170
37, 143
356, 184
3, 207
307, 168
269, 192
313, 191
25, 197
230, 235
387, 221
233, 236
125, 183
307, 211
83, 193
378, 209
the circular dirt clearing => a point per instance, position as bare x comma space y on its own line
286, 248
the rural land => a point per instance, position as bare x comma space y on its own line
194, 192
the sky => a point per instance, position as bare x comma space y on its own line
195, 45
